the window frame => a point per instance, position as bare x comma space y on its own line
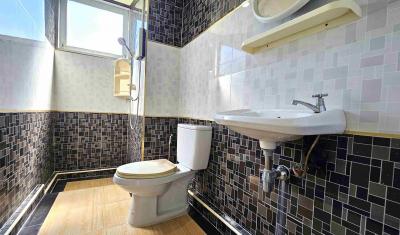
62, 26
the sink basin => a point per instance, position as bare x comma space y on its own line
270, 126
272, 10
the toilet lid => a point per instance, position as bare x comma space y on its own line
146, 169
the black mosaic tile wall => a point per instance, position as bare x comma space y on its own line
135, 140
156, 138
352, 186
165, 21
198, 15
177, 22
25, 157
89, 140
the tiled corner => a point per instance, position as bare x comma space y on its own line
25, 157
34, 145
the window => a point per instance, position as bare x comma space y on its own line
23, 19
92, 27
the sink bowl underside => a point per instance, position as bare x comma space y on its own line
272, 126
272, 10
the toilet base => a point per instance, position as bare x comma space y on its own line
149, 210
144, 213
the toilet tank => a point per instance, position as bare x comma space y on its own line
194, 144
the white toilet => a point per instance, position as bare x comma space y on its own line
159, 187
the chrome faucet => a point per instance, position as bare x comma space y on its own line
320, 105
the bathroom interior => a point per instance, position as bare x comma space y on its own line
199, 117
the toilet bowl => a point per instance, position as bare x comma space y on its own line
159, 187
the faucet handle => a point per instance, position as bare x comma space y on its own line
321, 95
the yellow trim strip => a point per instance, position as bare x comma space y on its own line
373, 134
349, 132
51, 110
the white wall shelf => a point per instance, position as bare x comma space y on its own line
325, 17
122, 78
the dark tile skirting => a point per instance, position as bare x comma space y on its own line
217, 225
352, 186
14, 224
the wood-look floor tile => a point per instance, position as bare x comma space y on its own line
109, 194
75, 199
71, 221
99, 207
115, 213
84, 184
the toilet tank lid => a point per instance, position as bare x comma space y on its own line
195, 127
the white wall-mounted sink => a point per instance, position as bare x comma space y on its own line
270, 126
272, 10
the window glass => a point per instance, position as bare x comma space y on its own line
22, 18
92, 28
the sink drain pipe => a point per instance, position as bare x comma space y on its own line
270, 175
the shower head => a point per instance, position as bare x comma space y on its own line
123, 43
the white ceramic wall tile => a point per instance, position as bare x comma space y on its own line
26, 74
357, 64
162, 80
85, 83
